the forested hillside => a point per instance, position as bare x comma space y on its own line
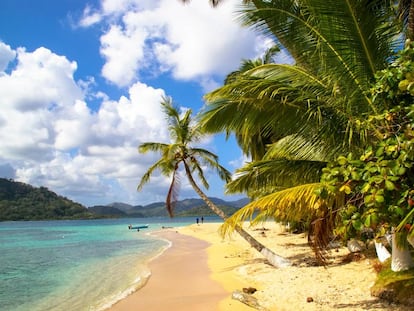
186, 207
20, 201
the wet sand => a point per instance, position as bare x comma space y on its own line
180, 280
202, 269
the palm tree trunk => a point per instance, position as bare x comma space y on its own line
274, 259
411, 21
382, 252
401, 258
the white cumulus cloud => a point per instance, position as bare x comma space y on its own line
50, 137
192, 41
6, 56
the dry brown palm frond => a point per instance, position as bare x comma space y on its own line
320, 235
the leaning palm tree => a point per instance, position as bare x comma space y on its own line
183, 133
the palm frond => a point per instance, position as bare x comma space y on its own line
152, 147
262, 176
297, 147
170, 111
209, 159
404, 9
349, 38
294, 204
147, 175
184, 133
276, 99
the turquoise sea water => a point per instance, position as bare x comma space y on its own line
75, 265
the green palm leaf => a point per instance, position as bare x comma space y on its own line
292, 204
261, 177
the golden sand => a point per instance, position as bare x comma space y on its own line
194, 275
179, 280
340, 286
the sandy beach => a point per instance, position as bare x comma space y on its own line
201, 271
179, 280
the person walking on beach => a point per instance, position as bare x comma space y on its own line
202, 219
197, 220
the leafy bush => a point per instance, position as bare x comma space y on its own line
378, 183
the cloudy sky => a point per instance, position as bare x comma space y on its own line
81, 82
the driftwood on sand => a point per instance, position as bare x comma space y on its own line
248, 299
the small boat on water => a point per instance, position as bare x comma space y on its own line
131, 227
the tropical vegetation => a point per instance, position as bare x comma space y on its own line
378, 185
315, 117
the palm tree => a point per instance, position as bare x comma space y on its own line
319, 97
183, 133
313, 110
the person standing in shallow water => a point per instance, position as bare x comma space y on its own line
202, 219
197, 220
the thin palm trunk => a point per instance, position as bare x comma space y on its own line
274, 259
411, 22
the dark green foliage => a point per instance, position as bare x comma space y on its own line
20, 201
379, 183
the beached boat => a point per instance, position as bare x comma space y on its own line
131, 227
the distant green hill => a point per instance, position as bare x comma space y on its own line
20, 201
186, 207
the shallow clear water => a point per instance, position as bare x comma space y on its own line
75, 265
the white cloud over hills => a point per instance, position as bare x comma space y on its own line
50, 136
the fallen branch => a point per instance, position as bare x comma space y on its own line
248, 300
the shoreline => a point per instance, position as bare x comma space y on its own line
224, 265
179, 279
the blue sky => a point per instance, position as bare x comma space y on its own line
81, 82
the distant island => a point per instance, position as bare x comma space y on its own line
20, 201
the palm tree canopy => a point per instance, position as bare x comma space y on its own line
306, 113
183, 133
323, 98
337, 47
